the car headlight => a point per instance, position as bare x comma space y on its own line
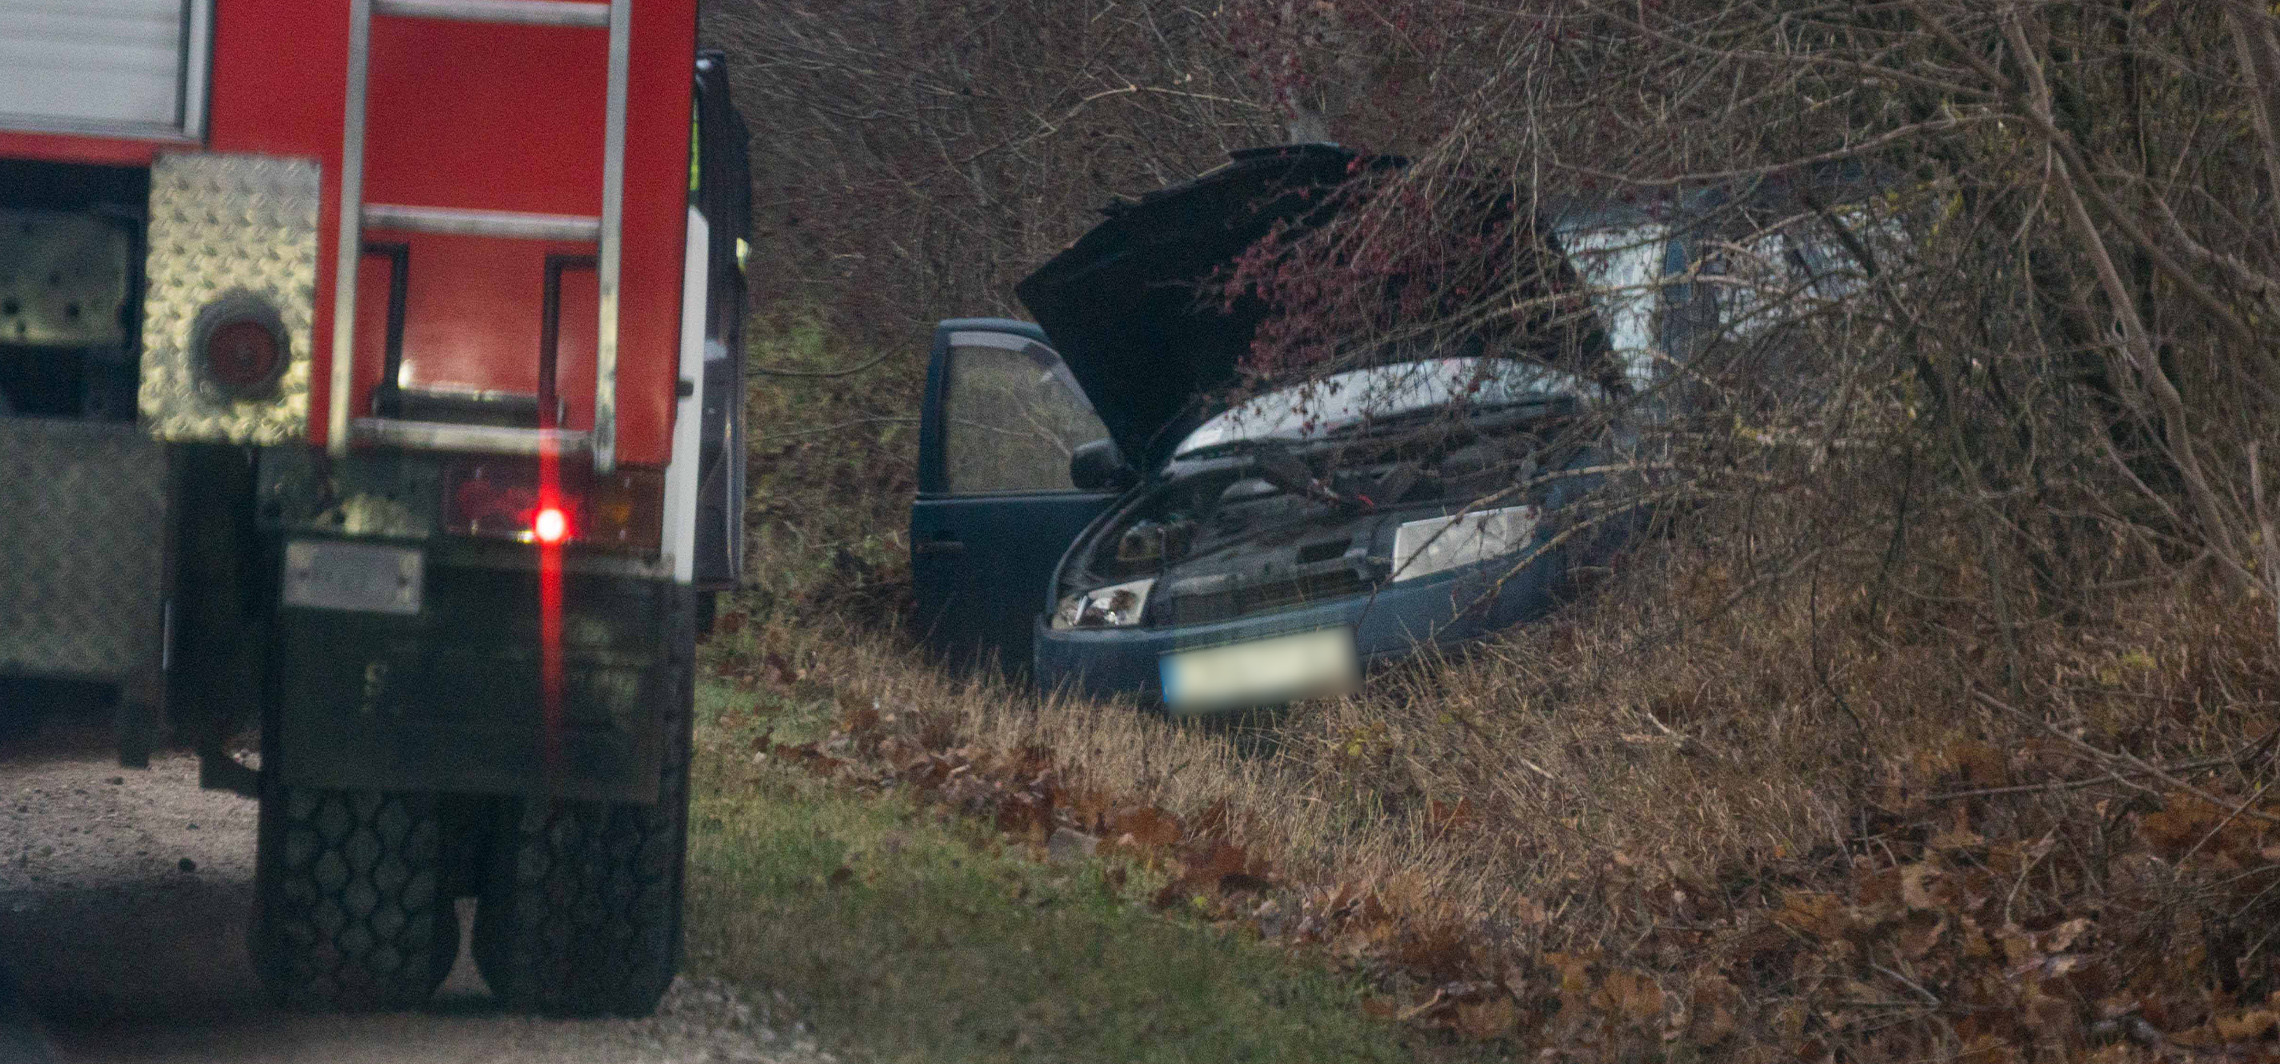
1438, 544
1114, 606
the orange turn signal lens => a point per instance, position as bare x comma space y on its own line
626, 510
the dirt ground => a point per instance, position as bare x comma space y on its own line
124, 897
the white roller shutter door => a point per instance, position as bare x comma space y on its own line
127, 67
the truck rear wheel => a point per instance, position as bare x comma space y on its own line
349, 909
580, 913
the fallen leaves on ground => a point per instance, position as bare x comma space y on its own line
1929, 938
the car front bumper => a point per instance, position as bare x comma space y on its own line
1394, 622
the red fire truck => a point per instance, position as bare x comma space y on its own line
370, 378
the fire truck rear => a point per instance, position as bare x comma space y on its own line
370, 380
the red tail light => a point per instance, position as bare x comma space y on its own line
550, 526
501, 499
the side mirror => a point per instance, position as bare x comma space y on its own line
1099, 466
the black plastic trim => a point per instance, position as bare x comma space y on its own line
386, 402
550, 335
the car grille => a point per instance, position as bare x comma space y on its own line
1230, 603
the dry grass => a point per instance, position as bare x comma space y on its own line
1786, 785
1944, 729
1651, 784
909, 934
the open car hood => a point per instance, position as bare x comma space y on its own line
1125, 304
1129, 310
1388, 394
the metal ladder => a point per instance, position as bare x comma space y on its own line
604, 231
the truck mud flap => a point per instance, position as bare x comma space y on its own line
456, 698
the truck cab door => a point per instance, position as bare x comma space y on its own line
996, 508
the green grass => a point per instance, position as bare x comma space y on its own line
833, 468
905, 934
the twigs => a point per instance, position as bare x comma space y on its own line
2115, 778
843, 426
2137, 766
915, 159
865, 366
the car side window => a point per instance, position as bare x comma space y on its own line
1011, 420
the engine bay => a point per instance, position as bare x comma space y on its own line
1263, 525
70, 301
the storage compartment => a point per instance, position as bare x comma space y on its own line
131, 67
71, 252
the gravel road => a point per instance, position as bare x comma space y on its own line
123, 903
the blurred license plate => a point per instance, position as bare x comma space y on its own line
364, 577
1263, 671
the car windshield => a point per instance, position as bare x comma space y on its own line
1345, 401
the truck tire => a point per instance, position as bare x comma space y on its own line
349, 910
580, 914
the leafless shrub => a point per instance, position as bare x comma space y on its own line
913, 160
1940, 724
2054, 297
2006, 399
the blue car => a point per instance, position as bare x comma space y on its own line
1097, 508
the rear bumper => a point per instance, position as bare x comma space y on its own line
1390, 625
457, 698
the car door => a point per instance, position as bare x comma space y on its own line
996, 508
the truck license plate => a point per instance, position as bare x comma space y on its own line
1261, 671
364, 577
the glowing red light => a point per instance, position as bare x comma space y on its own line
549, 525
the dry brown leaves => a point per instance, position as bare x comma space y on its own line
1939, 939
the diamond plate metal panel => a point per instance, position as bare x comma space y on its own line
83, 523
227, 227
